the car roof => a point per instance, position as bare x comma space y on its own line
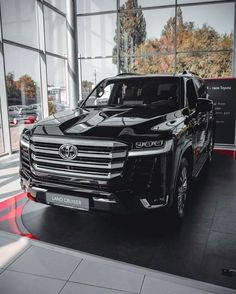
144, 76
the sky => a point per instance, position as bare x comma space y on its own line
220, 17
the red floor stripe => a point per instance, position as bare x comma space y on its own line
231, 153
11, 201
15, 212
13, 215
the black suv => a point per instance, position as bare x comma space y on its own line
133, 145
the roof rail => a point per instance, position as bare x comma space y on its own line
127, 74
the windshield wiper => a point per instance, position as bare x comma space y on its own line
117, 106
99, 106
94, 106
129, 105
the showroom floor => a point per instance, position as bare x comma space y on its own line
28, 266
199, 249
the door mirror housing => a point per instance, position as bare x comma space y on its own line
204, 105
99, 92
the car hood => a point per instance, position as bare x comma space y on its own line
107, 122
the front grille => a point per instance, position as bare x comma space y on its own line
98, 159
25, 158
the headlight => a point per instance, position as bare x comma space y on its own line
153, 147
149, 144
25, 137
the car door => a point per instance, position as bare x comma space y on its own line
198, 123
206, 116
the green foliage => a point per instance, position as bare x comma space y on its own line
12, 91
206, 64
87, 85
24, 86
27, 85
86, 88
157, 55
132, 33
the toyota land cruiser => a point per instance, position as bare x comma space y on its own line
133, 144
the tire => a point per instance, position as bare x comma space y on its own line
181, 191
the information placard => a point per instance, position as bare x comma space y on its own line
223, 93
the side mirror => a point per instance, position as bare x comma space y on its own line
99, 92
204, 105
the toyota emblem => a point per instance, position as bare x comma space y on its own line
68, 151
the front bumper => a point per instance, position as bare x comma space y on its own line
141, 187
121, 201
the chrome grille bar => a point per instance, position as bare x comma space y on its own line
81, 142
96, 159
95, 154
64, 172
99, 165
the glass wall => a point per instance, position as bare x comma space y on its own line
2, 149
149, 36
146, 3
97, 39
194, 1
96, 34
59, 4
210, 64
2, 145
19, 21
56, 60
55, 32
23, 89
205, 34
27, 58
56, 73
95, 70
85, 6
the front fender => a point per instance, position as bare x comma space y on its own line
180, 147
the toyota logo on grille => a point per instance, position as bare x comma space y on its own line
68, 151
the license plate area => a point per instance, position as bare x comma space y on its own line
67, 201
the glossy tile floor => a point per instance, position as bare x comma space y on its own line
28, 266
199, 249
9, 176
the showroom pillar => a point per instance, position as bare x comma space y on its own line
42, 58
118, 35
3, 99
4, 108
72, 50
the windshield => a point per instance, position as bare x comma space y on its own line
161, 91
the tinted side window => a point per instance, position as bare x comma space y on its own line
201, 88
191, 94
